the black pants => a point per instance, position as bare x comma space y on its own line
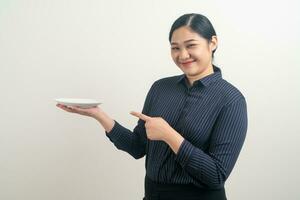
155, 191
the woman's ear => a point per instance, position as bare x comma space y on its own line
213, 43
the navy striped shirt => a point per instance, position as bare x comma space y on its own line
211, 115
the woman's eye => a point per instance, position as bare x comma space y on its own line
191, 45
175, 48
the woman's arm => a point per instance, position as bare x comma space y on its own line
106, 122
213, 167
95, 112
132, 142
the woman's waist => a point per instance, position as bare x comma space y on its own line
158, 186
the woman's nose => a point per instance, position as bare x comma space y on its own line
184, 54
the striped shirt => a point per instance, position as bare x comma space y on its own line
211, 115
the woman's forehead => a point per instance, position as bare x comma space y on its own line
185, 34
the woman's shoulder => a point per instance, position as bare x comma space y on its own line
163, 83
169, 81
228, 91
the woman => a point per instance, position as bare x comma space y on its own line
192, 126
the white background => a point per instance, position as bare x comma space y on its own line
113, 51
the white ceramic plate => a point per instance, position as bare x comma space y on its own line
82, 103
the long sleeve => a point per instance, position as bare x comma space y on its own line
134, 142
212, 167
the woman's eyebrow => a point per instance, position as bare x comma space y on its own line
191, 40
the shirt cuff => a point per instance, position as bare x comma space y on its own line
115, 133
184, 153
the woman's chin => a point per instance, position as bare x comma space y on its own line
189, 72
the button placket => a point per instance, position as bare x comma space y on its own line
185, 110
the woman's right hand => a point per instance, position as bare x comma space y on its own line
90, 112
94, 112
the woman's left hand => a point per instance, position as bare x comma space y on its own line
156, 127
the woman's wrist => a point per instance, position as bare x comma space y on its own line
174, 140
99, 115
107, 122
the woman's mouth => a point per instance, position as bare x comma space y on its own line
187, 63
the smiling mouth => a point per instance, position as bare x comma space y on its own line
187, 63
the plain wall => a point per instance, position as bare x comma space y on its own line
113, 51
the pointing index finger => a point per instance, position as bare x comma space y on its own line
140, 115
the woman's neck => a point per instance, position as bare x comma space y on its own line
209, 70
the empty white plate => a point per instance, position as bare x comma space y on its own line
82, 103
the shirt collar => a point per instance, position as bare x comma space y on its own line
207, 80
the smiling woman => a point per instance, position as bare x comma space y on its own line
193, 43
192, 126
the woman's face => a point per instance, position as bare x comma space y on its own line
192, 53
